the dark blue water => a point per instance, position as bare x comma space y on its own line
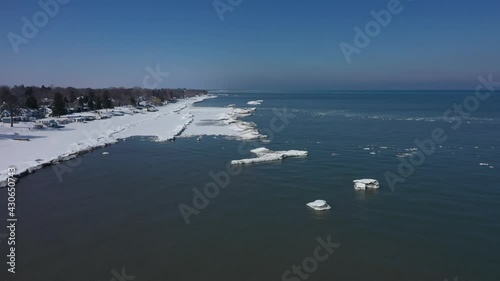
121, 210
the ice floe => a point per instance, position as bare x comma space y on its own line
255, 102
319, 205
265, 155
484, 164
105, 153
364, 184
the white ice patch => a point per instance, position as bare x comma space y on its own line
484, 164
217, 121
319, 205
363, 184
265, 155
255, 102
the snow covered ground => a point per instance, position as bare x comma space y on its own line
49, 146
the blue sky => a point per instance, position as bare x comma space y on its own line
261, 44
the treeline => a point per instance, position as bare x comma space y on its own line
78, 99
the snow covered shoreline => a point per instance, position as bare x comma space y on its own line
28, 150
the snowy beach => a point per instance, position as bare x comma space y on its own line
28, 149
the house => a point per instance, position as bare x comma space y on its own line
46, 102
5, 113
6, 120
15, 119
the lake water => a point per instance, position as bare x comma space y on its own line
121, 211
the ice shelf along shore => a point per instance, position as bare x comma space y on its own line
222, 121
48, 146
265, 155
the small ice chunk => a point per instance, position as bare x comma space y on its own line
255, 102
105, 153
366, 183
359, 186
373, 153
491, 167
366, 148
319, 205
484, 164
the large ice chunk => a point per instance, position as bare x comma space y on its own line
319, 205
363, 184
266, 155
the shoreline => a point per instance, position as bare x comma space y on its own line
51, 147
